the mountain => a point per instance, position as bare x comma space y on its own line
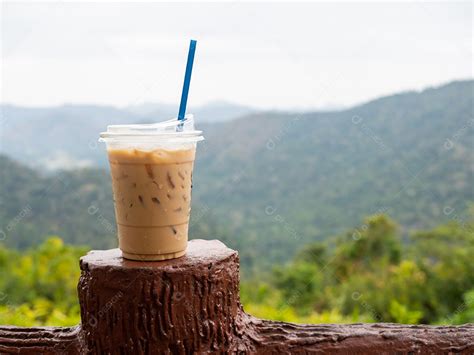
66, 136
277, 181
270, 182
221, 111
39, 137
217, 111
74, 204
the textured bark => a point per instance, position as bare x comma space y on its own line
191, 305
42, 340
184, 305
378, 338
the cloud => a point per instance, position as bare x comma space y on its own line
260, 54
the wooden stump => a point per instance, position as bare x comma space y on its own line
185, 305
191, 305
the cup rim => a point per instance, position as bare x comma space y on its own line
152, 132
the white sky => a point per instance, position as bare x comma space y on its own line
269, 55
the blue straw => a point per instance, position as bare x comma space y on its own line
187, 80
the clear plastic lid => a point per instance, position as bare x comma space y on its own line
173, 131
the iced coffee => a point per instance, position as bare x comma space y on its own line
152, 182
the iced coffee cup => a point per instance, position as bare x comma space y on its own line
152, 170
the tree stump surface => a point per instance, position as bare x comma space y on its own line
40, 340
191, 305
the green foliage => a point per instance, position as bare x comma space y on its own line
445, 256
313, 253
278, 181
38, 286
375, 242
269, 183
366, 275
401, 314
464, 313
370, 275
266, 185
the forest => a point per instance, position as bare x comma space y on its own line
371, 273
265, 184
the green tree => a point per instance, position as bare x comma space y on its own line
38, 286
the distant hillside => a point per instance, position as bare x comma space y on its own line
271, 182
66, 136
276, 181
75, 205
44, 137
219, 111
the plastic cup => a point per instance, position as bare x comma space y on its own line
152, 168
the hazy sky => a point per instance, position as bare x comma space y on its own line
272, 55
